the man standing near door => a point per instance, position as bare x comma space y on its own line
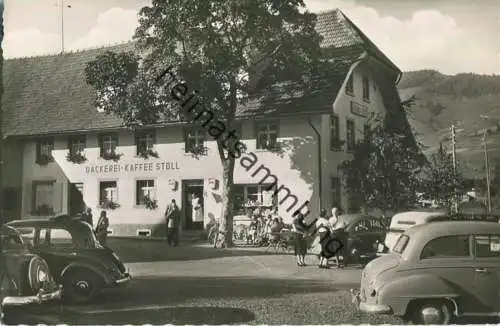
172, 216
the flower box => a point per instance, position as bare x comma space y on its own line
76, 158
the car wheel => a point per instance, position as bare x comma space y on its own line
436, 312
80, 286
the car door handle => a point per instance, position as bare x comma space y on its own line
481, 270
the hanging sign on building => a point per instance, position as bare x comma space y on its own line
359, 109
136, 167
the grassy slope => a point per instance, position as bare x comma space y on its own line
460, 99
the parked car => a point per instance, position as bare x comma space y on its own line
25, 278
403, 221
364, 232
437, 271
75, 257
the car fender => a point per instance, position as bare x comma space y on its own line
399, 292
100, 271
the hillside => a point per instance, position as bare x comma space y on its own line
461, 99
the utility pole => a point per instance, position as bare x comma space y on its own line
487, 167
454, 161
61, 4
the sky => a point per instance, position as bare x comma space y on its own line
451, 36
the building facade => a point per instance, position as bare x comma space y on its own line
63, 154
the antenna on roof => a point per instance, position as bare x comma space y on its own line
62, 7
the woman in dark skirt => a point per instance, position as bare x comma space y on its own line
300, 245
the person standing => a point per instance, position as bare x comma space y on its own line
101, 230
300, 245
323, 229
197, 209
87, 216
172, 216
335, 217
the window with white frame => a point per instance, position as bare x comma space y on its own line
44, 149
335, 191
350, 134
267, 135
145, 141
108, 192
251, 196
194, 139
349, 87
77, 145
108, 144
366, 88
145, 189
43, 198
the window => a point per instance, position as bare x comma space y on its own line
145, 141
194, 140
108, 144
401, 244
144, 189
487, 246
350, 134
44, 149
76, 145
372, 224
447, 247
367, 132
366, 89
43, 198
108, 192
60, 238
335, 189
267, 135
253, 196
349, 87
334, 133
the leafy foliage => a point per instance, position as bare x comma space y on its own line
150, 203
228, 51
75, 157
44, 159
384, 171
442, 183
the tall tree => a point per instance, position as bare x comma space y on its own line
228, 51
442, 183
384, 170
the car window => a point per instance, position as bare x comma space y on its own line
401, 244
487, 246
28, 234
447, 247
60, 238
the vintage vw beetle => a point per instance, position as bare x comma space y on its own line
75, 257
436, 272
25, 278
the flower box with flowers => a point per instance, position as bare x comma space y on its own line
336, 144
147, 153
198, 150
75, 157
150, 203
109, 205
44, 159
111, 156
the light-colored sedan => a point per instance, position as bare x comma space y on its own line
437, 271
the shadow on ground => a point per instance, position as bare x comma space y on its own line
131, 251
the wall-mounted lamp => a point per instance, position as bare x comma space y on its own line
173, 184
214, 183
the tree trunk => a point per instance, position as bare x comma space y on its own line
1, 121
227, 199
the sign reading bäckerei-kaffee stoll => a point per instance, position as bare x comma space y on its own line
136, 167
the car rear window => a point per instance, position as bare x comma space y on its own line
401, 244
487, 246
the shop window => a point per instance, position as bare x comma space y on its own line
43, 198
267, 135
194, 140
108, 193
145, 141
349, 87
145, 192
77, 144
249, 197
335, 190
366, 89
350, 134
108, 144
44, 148
447, 247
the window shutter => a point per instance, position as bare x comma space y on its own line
256, 134
101, 149
136, 143
116, 138
57, 196
185, 135
28, 198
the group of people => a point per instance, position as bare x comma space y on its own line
263, 229
322, 229
101, 229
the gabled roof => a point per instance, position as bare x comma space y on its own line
49, 94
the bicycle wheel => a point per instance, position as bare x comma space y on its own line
221, 240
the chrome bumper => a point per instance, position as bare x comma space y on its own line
33, 299
124, 279
371, 308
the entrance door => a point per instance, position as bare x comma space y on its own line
192, 188
76, 204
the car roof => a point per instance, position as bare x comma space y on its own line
443, 228
418, 215
62, 221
